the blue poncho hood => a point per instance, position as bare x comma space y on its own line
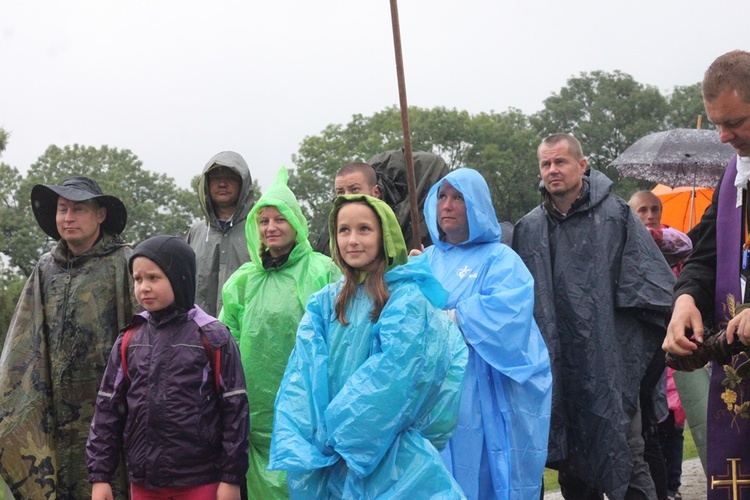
483, 224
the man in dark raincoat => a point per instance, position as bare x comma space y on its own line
70, 312
602, 301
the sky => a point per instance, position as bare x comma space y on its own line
176, 82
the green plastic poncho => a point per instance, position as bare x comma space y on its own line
364, 408
262, 308
67, 319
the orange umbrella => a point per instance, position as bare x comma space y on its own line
683, 207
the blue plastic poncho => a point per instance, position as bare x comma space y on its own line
363, 408
500, 445
262, 308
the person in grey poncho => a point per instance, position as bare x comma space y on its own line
70, 312
602, 301
225, 192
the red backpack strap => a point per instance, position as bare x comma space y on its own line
214, 358
126, 339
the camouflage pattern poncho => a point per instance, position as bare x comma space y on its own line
57, 346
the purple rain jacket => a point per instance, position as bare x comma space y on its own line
174, 428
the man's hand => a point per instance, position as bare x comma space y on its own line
685, 315
101, 491
416, 251
228, 491
739, 327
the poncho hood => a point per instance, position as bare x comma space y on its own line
234, 161
177, 260
280, 197
394, 247
483, 224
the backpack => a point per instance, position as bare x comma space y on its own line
214, 356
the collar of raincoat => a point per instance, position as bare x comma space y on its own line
394, 247
279, 196
480, 214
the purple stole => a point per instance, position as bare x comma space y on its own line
727, 432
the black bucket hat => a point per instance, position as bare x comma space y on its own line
44, 204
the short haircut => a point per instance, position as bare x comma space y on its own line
574, 147
366, 169
728, 73
646, 193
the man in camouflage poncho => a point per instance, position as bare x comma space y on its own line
66, 321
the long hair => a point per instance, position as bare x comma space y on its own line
375, 286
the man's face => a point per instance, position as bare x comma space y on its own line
731, 115
648, 209
224, 186
561, 172
78, 223
355, 183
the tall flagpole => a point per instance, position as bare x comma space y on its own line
410, 177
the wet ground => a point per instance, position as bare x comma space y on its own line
693, 482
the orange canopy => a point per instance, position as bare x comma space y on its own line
676, 204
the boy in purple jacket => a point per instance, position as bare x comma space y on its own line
173, 394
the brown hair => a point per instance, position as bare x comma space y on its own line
375, 286
574, 147
728, 73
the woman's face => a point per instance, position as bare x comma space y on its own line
276, 233
451, 213
359, 236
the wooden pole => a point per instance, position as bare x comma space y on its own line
411, 182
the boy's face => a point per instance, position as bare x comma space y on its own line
152, 287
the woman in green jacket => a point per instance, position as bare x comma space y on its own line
264, 301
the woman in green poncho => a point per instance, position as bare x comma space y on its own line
264, 301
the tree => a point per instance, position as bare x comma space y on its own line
155, 205
4, 135
685, 106
501, 146
607, 112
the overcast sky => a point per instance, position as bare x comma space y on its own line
178, 81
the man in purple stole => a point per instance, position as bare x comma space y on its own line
712, 284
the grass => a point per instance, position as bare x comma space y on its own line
550, 476
688, 451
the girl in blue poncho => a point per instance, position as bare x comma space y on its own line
371, 390
500, 445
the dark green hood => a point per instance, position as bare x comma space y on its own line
394, 246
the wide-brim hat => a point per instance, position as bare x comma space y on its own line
44, 204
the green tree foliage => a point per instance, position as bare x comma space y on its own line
607, 112
155, 205
685, 106
4, 135
501, 146
11, 285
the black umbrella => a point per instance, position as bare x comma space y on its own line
678, 157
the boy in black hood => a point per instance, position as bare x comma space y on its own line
173, 394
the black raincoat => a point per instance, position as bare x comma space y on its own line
603, 293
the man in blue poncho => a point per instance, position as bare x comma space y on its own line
603, 295
500, 445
